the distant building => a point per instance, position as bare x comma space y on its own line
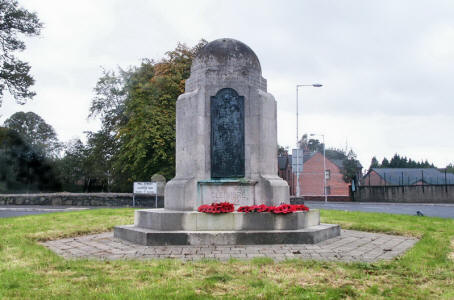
284, 162
311, 178
406, 176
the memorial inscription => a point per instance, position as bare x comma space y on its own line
227, 134
238, 195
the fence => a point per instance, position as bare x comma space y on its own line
417, 177
406, 193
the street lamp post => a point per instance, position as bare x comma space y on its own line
324, 166
297, 134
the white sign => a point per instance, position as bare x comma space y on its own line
145, 188
299, 153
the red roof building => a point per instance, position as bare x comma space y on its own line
311, 178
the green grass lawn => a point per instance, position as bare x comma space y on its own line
29, 270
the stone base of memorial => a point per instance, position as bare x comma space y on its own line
154, 227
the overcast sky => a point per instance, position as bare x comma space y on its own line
387, 66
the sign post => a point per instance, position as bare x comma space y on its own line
145, 188
297, 167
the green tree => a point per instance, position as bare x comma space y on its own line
333, 153
86, 167
72, 166
311, 145
36, 132
281, 150
108, 104
14, 73
137, 111
99, 155
351, 167
450, 168
398, 161
148, 138
374, 163
22, 169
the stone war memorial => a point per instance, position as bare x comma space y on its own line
226, 151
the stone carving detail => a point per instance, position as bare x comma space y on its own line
227, 134
238, 195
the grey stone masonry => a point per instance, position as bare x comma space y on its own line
350, 246
225, 63
151, 237
81, 199
168, 220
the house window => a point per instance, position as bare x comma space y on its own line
327, 174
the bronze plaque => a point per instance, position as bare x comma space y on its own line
227, 134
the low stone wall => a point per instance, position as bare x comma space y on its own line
81, 199
406, 194
301, 199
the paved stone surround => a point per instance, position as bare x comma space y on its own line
349, 246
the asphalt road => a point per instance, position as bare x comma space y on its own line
17, 211
429, 210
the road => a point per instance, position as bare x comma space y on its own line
19, 210
429, 210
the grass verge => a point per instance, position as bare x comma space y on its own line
30, 271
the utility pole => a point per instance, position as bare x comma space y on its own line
297, 136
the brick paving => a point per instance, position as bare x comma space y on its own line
350, 246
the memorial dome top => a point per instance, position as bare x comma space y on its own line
228, 52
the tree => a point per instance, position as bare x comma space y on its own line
333, 153
385, 163
148, 137
450, 168
137, 111
36, 132
281, 150
311, 145
22, 169
398, 161
86, 167
14, 73
81, 169
351, 167
374, 163
108, 104
109, 101
72, 167
100, 152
